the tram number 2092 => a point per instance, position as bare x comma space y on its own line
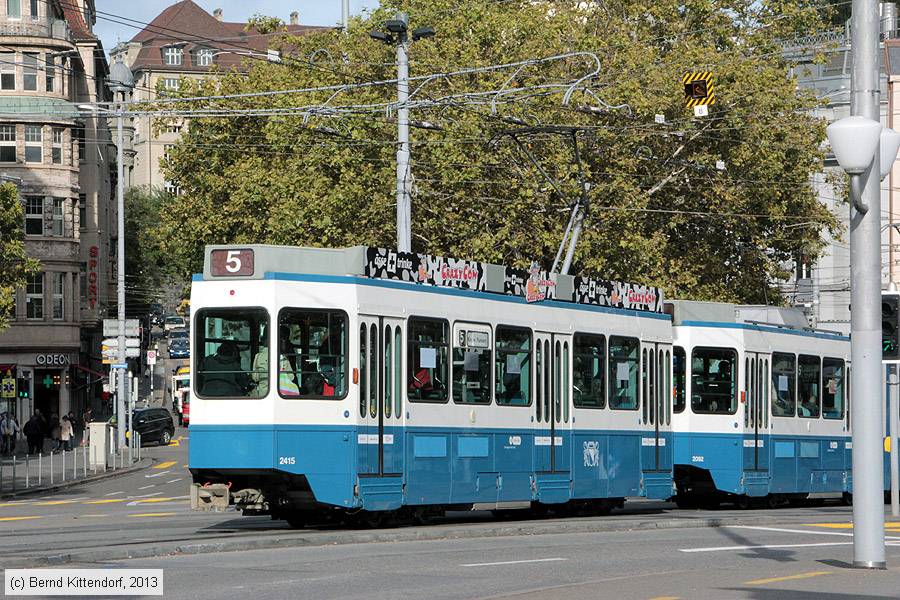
287, 460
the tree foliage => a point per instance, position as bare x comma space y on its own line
663, 208
148, 269
15, 267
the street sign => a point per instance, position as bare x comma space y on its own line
119, 366
698, 88
130, 342
151, 357
8, 388
132, 327
113, 353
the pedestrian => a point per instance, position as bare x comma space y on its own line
54, 431
86, 419
4, 433
34, 433
12, 432
65, 433
76, 427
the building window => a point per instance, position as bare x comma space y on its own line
82, 211
34, 297
173, 129
172, 55
57, 146
7, 70
51, 72
29, 71
7, 143
205, 57
35, 13
57, 289
59, 205
78, 134
34, 144
14, 9
34, 215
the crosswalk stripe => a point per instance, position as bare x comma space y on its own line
18, 518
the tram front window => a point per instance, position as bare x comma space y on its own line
713, 381
231, 353
312, 353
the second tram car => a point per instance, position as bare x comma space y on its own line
371, 380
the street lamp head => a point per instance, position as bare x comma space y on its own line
854, 141
399, 24
422, 32
381, 37
890, 143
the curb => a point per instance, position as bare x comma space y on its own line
142, 464
427, 533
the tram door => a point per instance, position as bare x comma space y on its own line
656, 405
380, 387
552, 399
756, 411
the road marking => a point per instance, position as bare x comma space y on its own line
146, 500
18, 518
55, 502
166, 514
146, 487
107, 501
91, 516
666, 598
113, 493
174, 480
787, 578
845, 525
513, 562
761, 546
804, 531
157, 474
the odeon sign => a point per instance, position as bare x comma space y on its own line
52, 360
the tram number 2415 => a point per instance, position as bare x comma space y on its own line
287, 460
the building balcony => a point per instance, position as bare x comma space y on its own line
57, 30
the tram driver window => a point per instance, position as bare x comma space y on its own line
472, 367
312, 353
784, 382
809, 373
513, 366
588, 371
714, 381
679, 364
231, 347
833, 388
426, 379
623, 373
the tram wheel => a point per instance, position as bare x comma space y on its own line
685, 502
772, 501
743, 502
847, 499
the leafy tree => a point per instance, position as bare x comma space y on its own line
146, 266
15, 267
708, 208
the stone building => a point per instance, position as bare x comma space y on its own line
185, 41
50, 62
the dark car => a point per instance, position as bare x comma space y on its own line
179, 349
154, 425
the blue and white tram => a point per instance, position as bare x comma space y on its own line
389, 394
761, 411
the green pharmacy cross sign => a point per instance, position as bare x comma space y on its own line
47, 381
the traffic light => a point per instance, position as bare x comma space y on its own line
22, 387
890, 326
696, 90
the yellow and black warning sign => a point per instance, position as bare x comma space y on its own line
698, 88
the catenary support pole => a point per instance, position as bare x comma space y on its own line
345, 15
404, 210
865, 317
120, 273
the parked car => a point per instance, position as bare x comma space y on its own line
173, 322
154, 425
179, 348
179, 334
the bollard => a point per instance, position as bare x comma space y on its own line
40, 467
27, 468
84, 459
75, 464
51, 468
1, 474
14, 473
63, 465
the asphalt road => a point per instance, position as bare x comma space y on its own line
657, 552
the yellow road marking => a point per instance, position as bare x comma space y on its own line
14, 504
666, 598
18, 518
55, 502
152, 514
845, 525
787, 578
152, 500
108, 501
164, 465
174, 443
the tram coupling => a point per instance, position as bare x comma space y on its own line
211, 497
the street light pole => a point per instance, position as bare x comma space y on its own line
404, 208
865, 317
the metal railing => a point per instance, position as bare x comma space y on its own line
57, 29
35, 471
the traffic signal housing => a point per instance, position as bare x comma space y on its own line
22, 387
890, 326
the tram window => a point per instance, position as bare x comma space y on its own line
784, 376
388, 369
809, 377
512, 363
565, 382
232, 350
623, 373
589, 371
680, 368
312, 353
363, 382
714, 381
398, 372
426, 377
472, 368
833, 388
668, 388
